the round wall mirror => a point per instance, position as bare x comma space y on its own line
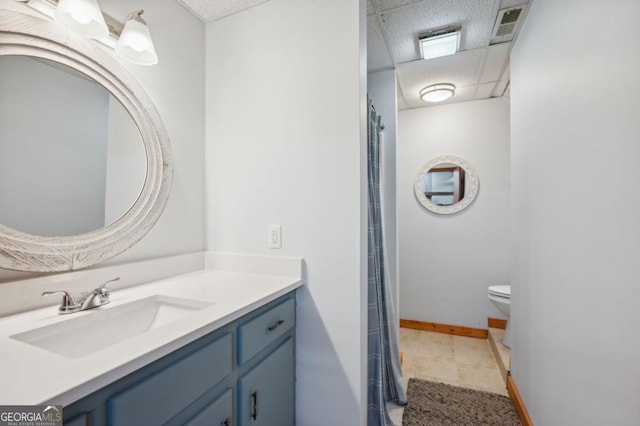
446, 185
81, 167
114, 173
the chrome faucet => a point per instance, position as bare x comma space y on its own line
93, 299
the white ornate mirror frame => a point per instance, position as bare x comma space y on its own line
472, 184
26, 35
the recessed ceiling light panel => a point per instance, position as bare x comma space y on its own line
437, 44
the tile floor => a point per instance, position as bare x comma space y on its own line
455, 360
500, 351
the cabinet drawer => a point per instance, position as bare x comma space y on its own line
164, 394
218, 413
257, 333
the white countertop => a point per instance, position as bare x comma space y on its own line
30, 375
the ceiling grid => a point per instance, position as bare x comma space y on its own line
479, 70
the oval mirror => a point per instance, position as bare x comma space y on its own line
71, 157
446, 184
129, 201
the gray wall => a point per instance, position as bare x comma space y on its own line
576, 229
448, 261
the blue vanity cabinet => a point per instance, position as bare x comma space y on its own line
266, 392
218, 413
161, 396
257, 333
243, 370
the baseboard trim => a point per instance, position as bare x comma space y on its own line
456, 330
497, 323
517, 402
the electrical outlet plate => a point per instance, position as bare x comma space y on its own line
275, 237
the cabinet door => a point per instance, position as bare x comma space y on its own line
80, 420
161, 396
218, 413
266, 392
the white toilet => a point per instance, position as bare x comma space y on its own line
500, 295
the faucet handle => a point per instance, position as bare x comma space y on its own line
68, 304
103, 291
104, 284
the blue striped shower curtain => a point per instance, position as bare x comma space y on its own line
384, 374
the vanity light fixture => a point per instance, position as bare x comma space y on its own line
437, 92
135, 42
83, 17
437, 43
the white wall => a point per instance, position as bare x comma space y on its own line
446, 262
576, 294
381, 87
176, 86
285, 145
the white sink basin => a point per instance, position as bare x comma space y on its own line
100, 328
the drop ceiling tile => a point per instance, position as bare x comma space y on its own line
501, 88
461, 69
377, 54
402, 26
497, 58
392, 4
504, 4
211, 10
485, 91
370, 9
401, 104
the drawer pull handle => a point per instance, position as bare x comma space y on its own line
227, 422
254, 397
276, 325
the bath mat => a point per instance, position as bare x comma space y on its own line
439, 404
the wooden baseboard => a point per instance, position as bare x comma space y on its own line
497, 323
518, 403
445, 328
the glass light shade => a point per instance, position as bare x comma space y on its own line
135, 43
83, 17
437, 92
443, 45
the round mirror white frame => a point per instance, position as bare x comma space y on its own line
471, 185
22, 34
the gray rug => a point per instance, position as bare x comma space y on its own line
438, 404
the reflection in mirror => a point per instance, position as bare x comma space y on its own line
446, 184
71, 158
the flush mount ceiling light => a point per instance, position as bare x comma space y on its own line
439, 43
437, 92
135, 42
83, 17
